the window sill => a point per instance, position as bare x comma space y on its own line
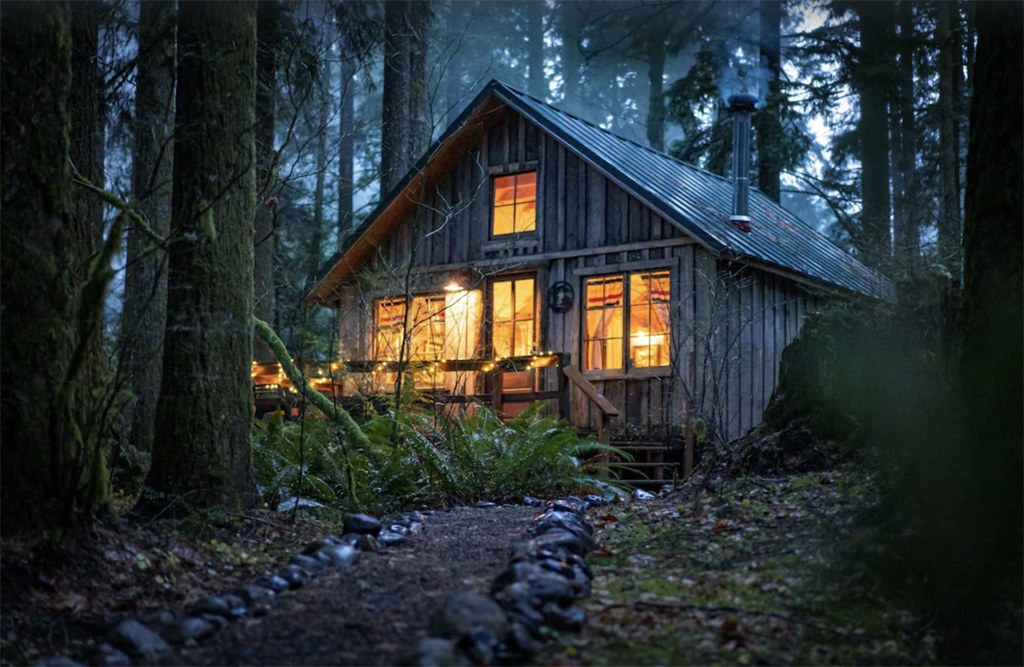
523, 240
630, 374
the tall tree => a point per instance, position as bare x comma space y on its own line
872, 80
395, 141
768, 122
346, 151
323, 93
145, 307
456, 21
571, 25
905, 197
202, 445
420, 18
949, 106
268, 17
656, 53
535, 57
85, 117
38, 260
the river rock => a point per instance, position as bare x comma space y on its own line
294, 575
480, 645
307, 563
254, 595
640, 494
273, 582
483, 504
391, 540
596, 501
363, 524
464, 610
530, 501
341, 555
192, 628
555, 539
570, 619
212, 604
108, 656
136, 639
565, 520
438, 652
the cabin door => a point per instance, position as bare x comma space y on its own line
514, 328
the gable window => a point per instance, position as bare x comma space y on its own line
515, 204
634, 330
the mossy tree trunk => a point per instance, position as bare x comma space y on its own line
420, 19
202, 446
394, 148
768, 122
268, 15
145, 308
38, 261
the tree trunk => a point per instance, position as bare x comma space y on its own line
454, 70
656, 89
905, 204
85, 119
768, 123
571, 57
203, 446
535, 54
949, 104
346, 156
395, 141
39, 259
268, 14
323, 126
420, 15
145, 306
873, 129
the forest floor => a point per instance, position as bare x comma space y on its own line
745, 571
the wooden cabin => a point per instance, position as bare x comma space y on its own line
532, 255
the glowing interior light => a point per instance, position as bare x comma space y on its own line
453, 287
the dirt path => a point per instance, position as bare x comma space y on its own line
374, 613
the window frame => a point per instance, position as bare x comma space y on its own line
489, 309
533, 233
628, 370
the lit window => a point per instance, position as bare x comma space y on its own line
440, 326
512, 318
515, 203
649, 319
647, 315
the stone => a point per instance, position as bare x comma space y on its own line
57, 661
219, 622
565, 520
480, 645
363, 524
237, 605
597, 501
464, 610
211, 604
541, 585
416, 517
569, 619
254, 594
572, 542
273, 582
294, 575
135, 639
108, 656
667, 488
391, 540
316, 546
437, 652
289, 504
523, 640
156, 618
562, 506
341, 555
483, 504
192, 628
398, 528
366, 543
640, 494
530, 501
415, 528
307, 563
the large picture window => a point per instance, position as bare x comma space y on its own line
440, 326
642, 319
515, 204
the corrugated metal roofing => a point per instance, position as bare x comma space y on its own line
700, 202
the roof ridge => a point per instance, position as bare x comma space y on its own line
662, 154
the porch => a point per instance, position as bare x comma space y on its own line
655, 458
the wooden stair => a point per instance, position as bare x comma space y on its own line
651, 466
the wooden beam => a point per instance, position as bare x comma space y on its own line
590, 391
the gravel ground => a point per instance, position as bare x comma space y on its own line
374, 613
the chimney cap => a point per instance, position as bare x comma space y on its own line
742, 102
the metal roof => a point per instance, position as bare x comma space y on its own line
700, 202
695, 200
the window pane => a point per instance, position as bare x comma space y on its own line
501, 310
504, 190
526, 217
524, 338
595, 293
639, 289
660, 288
524, 299
595, 324
613, 292
503, 339
526, 187
503, 220
613, 323
613, 351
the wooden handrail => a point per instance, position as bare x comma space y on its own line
591, 391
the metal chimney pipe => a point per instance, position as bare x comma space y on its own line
741, 106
